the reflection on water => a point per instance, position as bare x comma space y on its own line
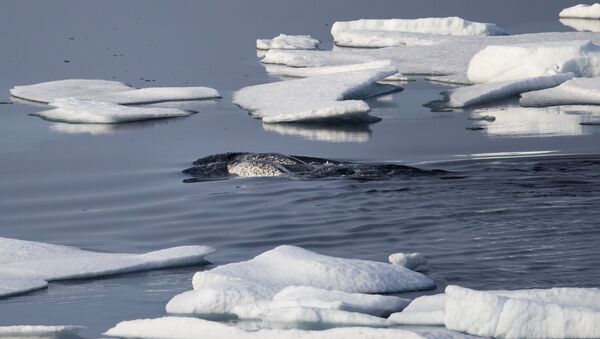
582, 25
323, 132
534, 122
100, 129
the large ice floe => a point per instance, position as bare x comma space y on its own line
381, 33
27, 265
104, 102
532, 313
522, 61
318, 98
581, 11
283, 41
39, 331
580, 91
493, 91
265, 278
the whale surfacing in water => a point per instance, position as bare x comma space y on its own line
242, 164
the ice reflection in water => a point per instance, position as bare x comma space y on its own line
582, 25
323, 132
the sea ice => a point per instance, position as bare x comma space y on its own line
32, 331
304, 72
377, 305
446, 55
424, 310
352, 33
552, 313
314, 318
493, 91
283, 41
521, 61
109, 91
27, 265
218, 291
83, 111
193, 328
412, 261
311, 99
580, 91
582, 25
581, 11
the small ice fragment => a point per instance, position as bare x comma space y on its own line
412, 261
424, 310
580, 91
313, 318
38, 331
581, 11
283, 41
488, 118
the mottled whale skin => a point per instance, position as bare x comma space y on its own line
242, 164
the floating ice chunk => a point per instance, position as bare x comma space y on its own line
552, 313
193, 328
582, 25
377, 305
312, 318
218, 291
81, 111
283, 41
32, 331
412, 261
581, 11
304, 72
109, 91
311, 99
521, 61
344, 31
424, 310
48, 91
493, 91
259, 310
315, 58
580, 91
25, 265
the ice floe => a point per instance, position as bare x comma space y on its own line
83, 111
581, 11
39, 331
283, 41
108, 91
412, 261
314, 318
582, 25
27, 265
304, 72
318, 98
493, 91
522, 61
445, 55
424, 310
192, 328
352, 33
552, 313
580, 91
218, 291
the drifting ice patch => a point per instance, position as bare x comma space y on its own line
521, 61
580, 91
82, 111
424, 310
218, 291
314, 318
193, 328
582, 25
283, 41
26, 265
581, 11
304, 72
552, 313
494, 91
316, 98
351, 33
110, 91
30, 331
412, 261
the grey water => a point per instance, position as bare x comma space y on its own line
519, 211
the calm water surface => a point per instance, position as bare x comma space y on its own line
501, 222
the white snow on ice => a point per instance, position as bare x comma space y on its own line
582, 25
412, 261
311, 99
493, 91
424, 310
218, 291
365, 32
283, 41
39, 331
27, 265
581, 11
83, 111
304, 72
580, 91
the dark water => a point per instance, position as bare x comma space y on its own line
521, 211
